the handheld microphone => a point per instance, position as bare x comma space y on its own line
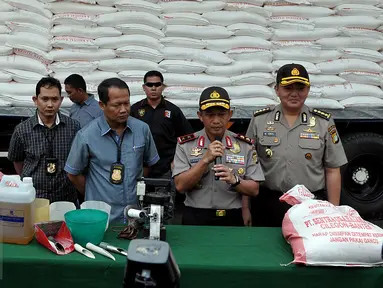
217, 160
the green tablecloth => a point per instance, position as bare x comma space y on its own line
207, 257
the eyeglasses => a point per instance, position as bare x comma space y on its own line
155, 84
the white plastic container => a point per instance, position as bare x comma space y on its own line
17, 209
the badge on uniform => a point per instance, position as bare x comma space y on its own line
309, 136
236, 148
220, 213
117, 173
269, 153
51, 166
311, 122
196, 151
241, 171
269, 134
255, 158
334, 135
235, 159
167, 113
141, 112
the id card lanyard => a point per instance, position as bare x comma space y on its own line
50, 162
118, 169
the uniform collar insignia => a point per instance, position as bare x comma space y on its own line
277, 116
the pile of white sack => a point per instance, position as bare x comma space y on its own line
321, 234
237, 44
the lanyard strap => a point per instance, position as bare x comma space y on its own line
119, 145
50, 135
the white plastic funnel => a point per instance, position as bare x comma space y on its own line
99, 205
58, 209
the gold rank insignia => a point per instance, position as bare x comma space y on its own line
312, 122
269, 153
215, 95
236, 148
141, 112
262, 111
321, 114
241, 171
196, 151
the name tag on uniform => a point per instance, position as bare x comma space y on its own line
194, 160
235, 159
270, 134
309, 136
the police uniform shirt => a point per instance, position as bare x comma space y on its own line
210, 193
300, 154
166, 122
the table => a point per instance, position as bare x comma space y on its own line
207, 257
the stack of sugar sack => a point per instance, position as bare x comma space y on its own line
5, 50
359, 43
217, 36
75, 33
138, 49
294, 41
24, 52
185, 56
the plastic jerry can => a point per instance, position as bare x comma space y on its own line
17, 205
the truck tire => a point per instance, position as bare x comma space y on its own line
362, 176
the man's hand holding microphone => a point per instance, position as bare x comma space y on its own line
215, 153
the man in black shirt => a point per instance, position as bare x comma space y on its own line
166, 122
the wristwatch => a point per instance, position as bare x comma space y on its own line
237, 181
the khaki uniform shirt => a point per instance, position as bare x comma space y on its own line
209, 193
296, 155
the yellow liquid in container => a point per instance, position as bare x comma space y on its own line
17, 210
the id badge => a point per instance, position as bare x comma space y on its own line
117, 173
51, 166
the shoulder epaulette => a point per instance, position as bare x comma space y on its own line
320, 113
244, 139
261, 111
186, 138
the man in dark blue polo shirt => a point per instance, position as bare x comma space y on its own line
85, 107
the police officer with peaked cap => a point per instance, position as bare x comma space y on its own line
296, 145
216, 194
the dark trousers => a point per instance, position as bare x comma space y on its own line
268, 211
208, 217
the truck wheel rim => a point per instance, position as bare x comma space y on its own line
362, 179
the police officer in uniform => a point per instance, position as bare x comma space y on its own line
215, 168
295, 145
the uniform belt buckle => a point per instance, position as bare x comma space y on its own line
220, 213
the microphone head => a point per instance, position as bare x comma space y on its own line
218, 138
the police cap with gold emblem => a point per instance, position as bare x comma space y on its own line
292, 73
214, 97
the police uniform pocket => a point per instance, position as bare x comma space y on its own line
267, 148
312, 144
311, 151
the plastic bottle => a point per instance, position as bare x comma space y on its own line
17, 205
